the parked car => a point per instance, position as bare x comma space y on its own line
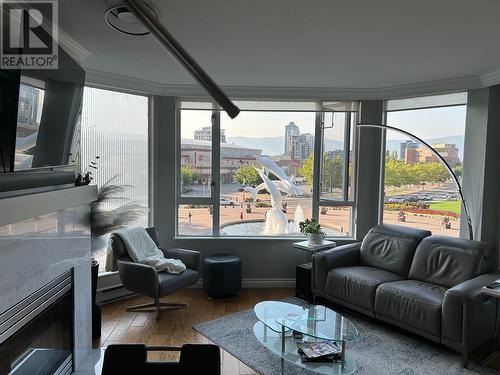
425, 197
225, 201
394, 200
451, 196
411, 198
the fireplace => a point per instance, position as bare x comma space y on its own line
36, 334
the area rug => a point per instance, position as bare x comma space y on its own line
378, 350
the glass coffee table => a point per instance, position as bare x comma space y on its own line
277, 321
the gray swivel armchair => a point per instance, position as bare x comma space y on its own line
144, 280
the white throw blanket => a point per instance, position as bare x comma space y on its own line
142, 249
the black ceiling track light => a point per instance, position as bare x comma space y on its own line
134, 17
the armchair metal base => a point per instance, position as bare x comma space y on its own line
156, 306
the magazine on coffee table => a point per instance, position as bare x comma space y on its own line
325, 359
318, 349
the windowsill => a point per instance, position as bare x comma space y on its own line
260, 238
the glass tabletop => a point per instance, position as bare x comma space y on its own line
272, 341
269, 311
320, 322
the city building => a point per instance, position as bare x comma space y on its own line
448, 151
411, 156
293, 164
198, 155
291, 131
297, 145
409, 144
205, 134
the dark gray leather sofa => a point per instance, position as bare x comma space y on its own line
429, 285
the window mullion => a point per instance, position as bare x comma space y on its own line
216, 140
347, 136
318, 157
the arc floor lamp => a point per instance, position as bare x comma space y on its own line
440, 158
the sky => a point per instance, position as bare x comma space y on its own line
428, 123
425, 123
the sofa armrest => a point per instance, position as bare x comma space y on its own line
468, 316
324, 261
139, 278
191, 258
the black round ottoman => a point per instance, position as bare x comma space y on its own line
222, 276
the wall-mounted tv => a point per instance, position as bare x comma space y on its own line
40, 114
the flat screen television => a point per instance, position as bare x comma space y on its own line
40, 114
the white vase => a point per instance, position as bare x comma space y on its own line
315, 238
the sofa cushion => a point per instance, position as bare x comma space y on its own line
357, 285
414, 303
449, 261
391, 248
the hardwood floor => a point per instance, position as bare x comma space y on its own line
175, 327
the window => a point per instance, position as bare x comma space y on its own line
419, 192
254, 176
337, 173
115, 129
31, 101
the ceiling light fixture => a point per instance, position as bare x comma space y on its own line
140, 19
120, 18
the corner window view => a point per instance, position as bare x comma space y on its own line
265, 167
419, 192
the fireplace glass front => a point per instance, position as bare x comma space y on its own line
44, 345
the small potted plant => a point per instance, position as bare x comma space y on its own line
249, 208
313, 231
401, 216
446, 222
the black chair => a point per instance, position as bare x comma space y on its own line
132, 359
144, 280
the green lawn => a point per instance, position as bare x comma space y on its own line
451, 206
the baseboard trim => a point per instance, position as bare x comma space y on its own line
117, 292
260, 283
268, 283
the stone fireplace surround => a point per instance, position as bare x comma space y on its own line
43, 236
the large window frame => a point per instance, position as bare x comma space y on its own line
350, 138
432, 101
150, 162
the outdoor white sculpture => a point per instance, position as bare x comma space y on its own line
276, 221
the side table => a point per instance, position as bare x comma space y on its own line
495, 294
303, 272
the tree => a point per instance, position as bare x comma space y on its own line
458, 169
307, 169
247, 175
393, 175
189, 175
332, 171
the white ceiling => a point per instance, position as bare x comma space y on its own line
324, 44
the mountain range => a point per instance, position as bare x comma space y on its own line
273, 146
276, 145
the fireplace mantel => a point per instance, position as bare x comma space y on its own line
23, 207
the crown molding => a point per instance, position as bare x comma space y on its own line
72, 47
491, 78
134, 85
